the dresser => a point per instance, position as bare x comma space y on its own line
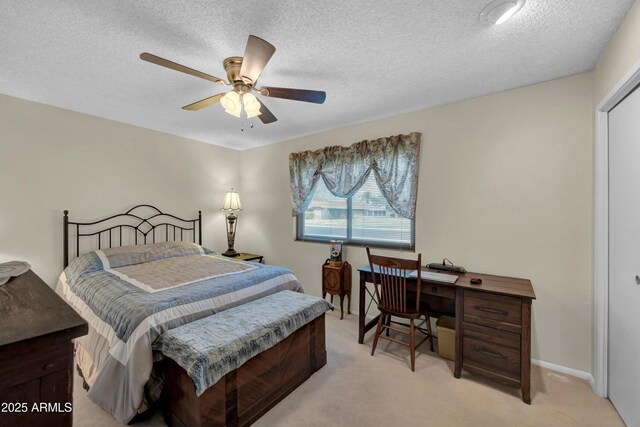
36, 354
336, 280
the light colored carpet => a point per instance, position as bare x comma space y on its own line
356, 389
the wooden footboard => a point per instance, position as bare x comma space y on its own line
245, 394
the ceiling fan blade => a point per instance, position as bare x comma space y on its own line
266, 116
256, 55
175, 66
204, 102
315, 96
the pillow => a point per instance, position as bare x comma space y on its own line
130, 255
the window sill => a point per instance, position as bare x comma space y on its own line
359, 244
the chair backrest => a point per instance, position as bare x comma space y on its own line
391, 281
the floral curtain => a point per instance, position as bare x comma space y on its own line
394, 162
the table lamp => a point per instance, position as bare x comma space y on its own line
231, 207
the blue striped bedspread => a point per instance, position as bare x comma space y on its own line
129, 296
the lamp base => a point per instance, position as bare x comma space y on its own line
231, 253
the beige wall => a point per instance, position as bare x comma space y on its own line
505, 187
53, 159
622, 52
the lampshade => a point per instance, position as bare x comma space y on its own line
231, 201
251, 105
231, 103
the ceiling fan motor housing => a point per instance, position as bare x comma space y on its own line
232, 66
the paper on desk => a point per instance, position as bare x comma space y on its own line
438, 277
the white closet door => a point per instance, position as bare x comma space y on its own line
624, 258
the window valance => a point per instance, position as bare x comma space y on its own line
394, 162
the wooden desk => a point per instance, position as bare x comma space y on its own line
493, 323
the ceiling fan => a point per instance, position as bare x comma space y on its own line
243, 73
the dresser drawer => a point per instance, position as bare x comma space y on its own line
491, 350
439, 290
35, 363
496, 311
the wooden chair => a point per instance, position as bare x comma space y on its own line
391, 291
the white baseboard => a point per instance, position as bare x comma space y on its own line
564, 370
552, 366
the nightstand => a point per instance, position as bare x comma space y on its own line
336, 280
244, 256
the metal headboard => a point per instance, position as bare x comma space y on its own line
142, 227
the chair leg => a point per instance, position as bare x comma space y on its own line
426, 316
412, 341
378, 331
388, 323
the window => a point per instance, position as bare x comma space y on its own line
366, 218
374, 215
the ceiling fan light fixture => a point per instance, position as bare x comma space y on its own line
251, 105
499, 11
231, 103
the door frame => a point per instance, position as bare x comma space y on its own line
601, 227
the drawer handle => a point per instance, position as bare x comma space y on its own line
434, 289
492, 354
490, 310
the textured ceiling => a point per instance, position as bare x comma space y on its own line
374, 59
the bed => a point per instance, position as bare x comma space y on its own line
148, 274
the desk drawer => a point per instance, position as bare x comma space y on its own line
491, 350
438, 290
496, 311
